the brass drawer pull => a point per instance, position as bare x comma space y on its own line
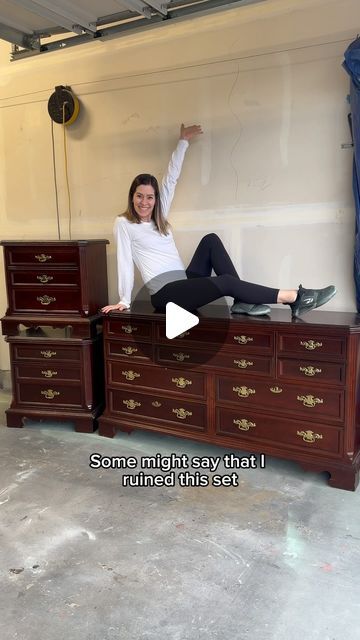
243, 364
156, 404
128, 328
48, 354
243, 392
310, 371
49, 374
276, 390
309, 436
44, 278
181, 383
311, 344
42, 257
45, 299
50, 394
180, 357
130, 375
181, 413
309, 400
131, 404
243, 339
244, 425
129, 350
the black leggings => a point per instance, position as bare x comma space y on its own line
201, 288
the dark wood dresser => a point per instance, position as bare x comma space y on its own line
54, 328
282, 387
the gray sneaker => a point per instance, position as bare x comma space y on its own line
250, 309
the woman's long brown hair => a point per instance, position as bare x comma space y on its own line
130, 214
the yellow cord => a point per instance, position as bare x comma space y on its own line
66, 168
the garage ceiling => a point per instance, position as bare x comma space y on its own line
37, 26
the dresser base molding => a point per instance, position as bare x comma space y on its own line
86, 422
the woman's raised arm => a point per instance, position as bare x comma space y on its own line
172, 174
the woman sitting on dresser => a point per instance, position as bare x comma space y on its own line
143, 236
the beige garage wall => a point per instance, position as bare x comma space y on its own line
269, 174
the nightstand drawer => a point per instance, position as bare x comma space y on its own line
48, 393
50, 277
45, 300
247, 425
41, 255
311, 370
299, 400
45, 352
314, 345
156, 407
52, 371
155, 378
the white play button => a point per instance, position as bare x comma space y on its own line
178, 320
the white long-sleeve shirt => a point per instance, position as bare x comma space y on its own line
154, 254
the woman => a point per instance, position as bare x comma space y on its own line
143, 237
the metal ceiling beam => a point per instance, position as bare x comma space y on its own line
136, 5
26, 40
178, 10
63, 14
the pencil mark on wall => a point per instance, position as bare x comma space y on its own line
237, 139
133, 116
286, 108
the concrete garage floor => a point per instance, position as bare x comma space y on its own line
85, 558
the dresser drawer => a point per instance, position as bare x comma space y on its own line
70, 277
328, 372
180, 355
128, 329
197, 336
247, 425
147, 377
53, 371
312, 345
137, 351
41, 255
45, 353
299, 399
250, 364
45, 300
185, 415
48, 393
246, 340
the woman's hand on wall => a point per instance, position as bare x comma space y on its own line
114, 307
187, 133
